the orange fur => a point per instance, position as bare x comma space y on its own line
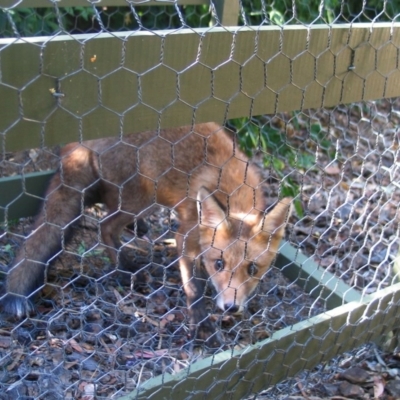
196, 171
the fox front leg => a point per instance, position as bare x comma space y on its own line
202, 330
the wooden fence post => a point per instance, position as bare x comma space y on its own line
227, 11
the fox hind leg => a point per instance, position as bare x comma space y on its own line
111, 228
26, 274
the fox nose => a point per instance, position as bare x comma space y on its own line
232, 308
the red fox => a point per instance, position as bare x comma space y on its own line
225, 235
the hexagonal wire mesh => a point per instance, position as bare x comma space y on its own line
103, 322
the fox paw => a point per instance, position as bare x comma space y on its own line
17, 306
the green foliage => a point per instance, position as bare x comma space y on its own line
281, 12
44, 21
6, 253
280, 154
83, 252
10, 223
7, 249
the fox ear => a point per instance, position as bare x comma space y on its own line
210, 212
275, 221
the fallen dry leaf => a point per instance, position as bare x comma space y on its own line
168, 318
5, 342
332, 170
350, 390
149, 354
379, 386
88, 390
356, 375
76, 346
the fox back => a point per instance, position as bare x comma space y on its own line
198, 172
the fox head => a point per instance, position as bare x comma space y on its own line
237, 250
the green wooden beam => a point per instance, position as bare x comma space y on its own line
313, 279
134, 81
227, 11
21, 196
240, 373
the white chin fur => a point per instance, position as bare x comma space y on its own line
220, 303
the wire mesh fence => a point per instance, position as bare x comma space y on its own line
177, 257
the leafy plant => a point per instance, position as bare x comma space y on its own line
7, 248
44, 21
6, 253
83, 252
258, 12
279, 153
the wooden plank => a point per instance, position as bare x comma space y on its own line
97, 3
135, 81
227, 11
21, 196
240, 373
313, 279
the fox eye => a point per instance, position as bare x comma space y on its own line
219, 264
252, 269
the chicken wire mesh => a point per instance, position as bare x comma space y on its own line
102, 322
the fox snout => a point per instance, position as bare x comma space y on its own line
232, 291
228, 304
